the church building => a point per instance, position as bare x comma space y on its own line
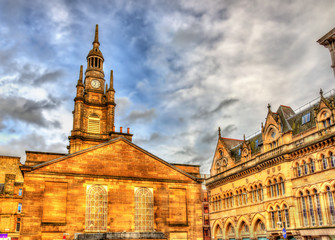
278, 183
106, 187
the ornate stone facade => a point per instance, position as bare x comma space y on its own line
280, 180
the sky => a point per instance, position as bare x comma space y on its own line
181, 68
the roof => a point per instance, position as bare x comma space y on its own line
231, 143
114, 140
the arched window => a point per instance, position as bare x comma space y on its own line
287, 217
277, 188
96, 208
257, 193
282, 186
331, 205
260, 227
273, 218
312, 165
245, 196
303, 208
144, 210
311, 208
332, 160
260, 192
318, 206
298, 170
231, 200
252, 194
231, 231
271, 193
279, 215
93, 123
218, 233
305, 168
244, 229
324, 162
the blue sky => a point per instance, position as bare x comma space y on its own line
181, 68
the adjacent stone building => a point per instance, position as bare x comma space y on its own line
280, 182
11, 192
107, 187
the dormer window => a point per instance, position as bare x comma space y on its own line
306, 118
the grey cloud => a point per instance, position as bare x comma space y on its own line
202, 113
209, 138
29, 111
33, 142
228, 130
141, 116
186, 150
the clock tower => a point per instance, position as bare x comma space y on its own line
94, 105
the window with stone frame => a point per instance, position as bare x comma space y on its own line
96, 208
144, 210
93, 123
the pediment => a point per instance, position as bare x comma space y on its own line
118, 158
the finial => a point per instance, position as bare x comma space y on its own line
244, 137
96, 36
219, 132
321, 92
269, 107
81, 73
80, 80
111, 80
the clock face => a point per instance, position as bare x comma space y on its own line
95, 83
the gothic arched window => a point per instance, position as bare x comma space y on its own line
318, 206
304, 210
331, 205
144, 210
311, 208
96, 208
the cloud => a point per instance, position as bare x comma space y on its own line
137, 116
28, 111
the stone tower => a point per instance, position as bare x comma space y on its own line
94, 105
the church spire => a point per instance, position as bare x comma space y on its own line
96, 43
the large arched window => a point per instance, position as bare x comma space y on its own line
244, 230
287, 217
311, 208
303, 209
218, 233
93, 123
318, 206
96, 208
144, 210
273, 217
331, 205
260, 227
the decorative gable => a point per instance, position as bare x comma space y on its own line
272, 130
324, 112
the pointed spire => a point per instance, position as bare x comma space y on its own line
111, 81
219, 132
80, 80
269, 107
244, 137
321, 92
96, 36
